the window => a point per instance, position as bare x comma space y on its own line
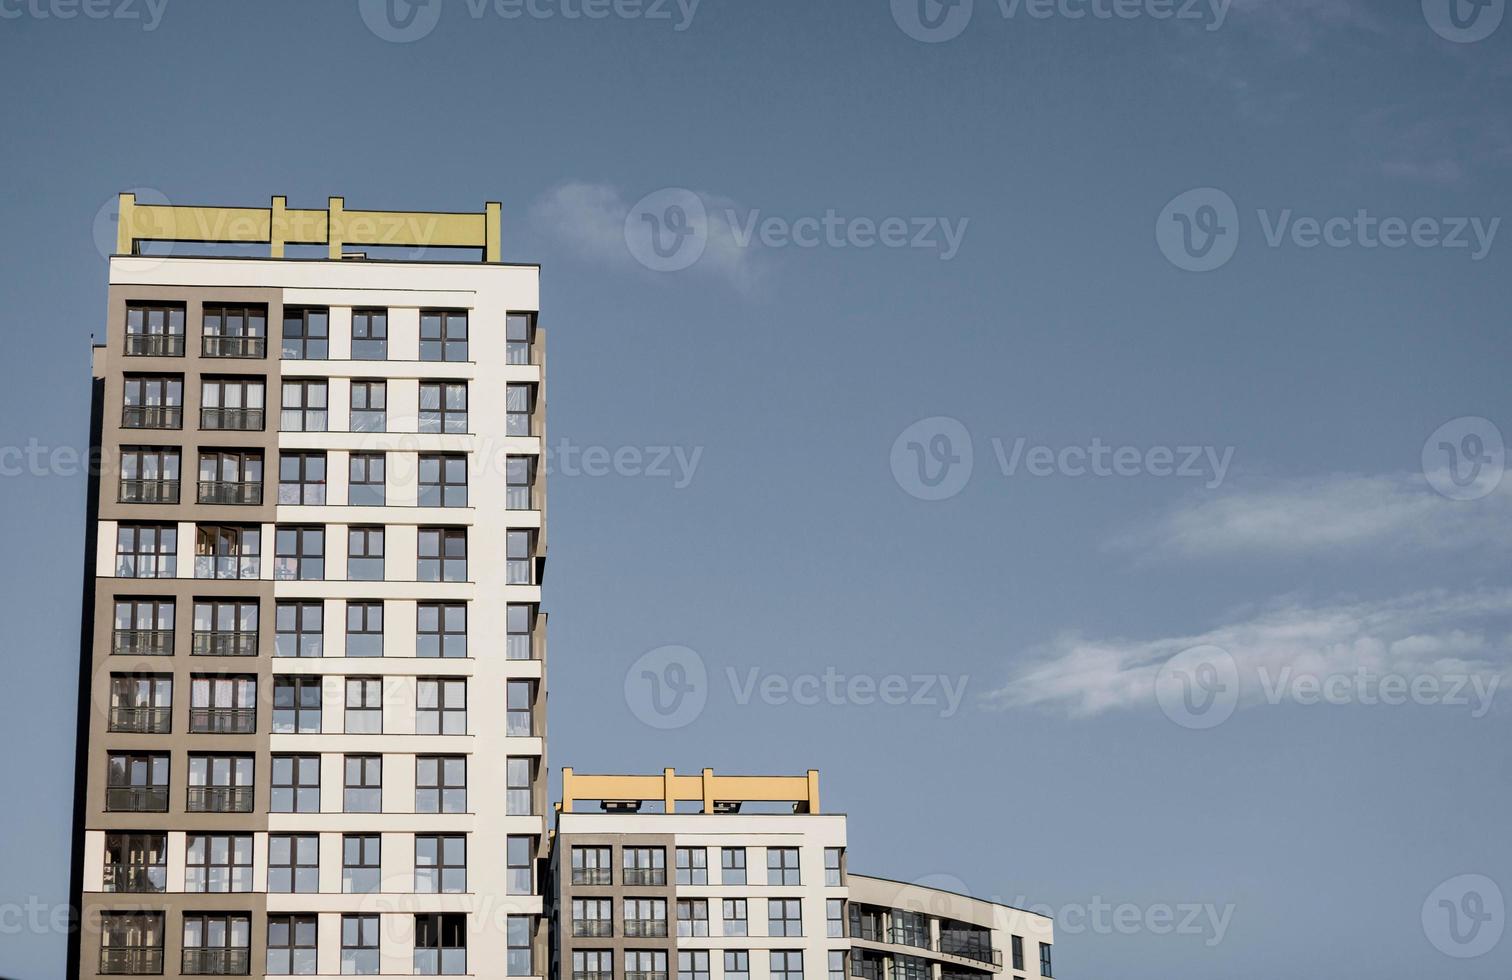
225, 628
364, 784
302, 478
217, 944
230, 476
519, 697
155, 329
645, 918
836, 964
443, 481
518, 959
519, 626
1045, 960
784, 917
131, 942
519, 773
220, 784
143, 627
227, 551
365, 480
359, 945
441, 944
519, 402
645, 964
136, 782
364, 706
832, 857
153, 402
692, 964
692, 916
141, 703
369, 335
440, 784
441, 706
443, 554
443, 335
909, 929
834, 917
519, 334
300, 553
733, 912
787, 964
304, 407
645, 866
782, 866
369, 406
149, 476
364, 636
147, 550
235, 331
296, 705
440, 863
519, 856
365, 554
294, 863
136, 862
592, 964
443, 406
519, 475
296, 784
306, 334
1018, 953
223, 705
519, 552
441, 629
737, 964
732, 865
592, 866
910, 968
233, 404
218, 863
361, 864
291, 945
301, 630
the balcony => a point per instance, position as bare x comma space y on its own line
869, 930
645, 876
592, 927
240, 494
154, 345
149, 492
142, 643
136, 799
589, 876
138, 961
223, 721
970, 948
908, 937
231, 419
141, 721
222, 643
206, 962
645, 928
231, 345
599, 975
645, 975
152, 417
220, 799
136, 878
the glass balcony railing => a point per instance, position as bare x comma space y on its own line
136, 799
137, 961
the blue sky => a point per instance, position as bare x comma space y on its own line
1084, 166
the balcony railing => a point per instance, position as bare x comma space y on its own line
201, 962
230, 345
223, 721
645, 876
908, 937
138, 878
220, 799
224, 644
220, 492
152, 417
136, 799
645, 975
591, 876
142, 643
645, 928
236, 419
969, 948
596, 975
871, 931
142, 721
592, 927
149, 492
155, 345
131, 960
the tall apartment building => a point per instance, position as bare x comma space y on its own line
312, 716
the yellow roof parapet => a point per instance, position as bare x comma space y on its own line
335, 227
707, 788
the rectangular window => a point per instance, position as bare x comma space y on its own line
645, 918
692, 964
519, 553
737, 964
136, 863
296, 705
441, 629
235, 331
225, 628
519, 775
787, 964
131, 942
441, 944
147, 550
223, 705
645, 866
369, 335
301, 478
1018, 953
836, 964
141, 703
592, 918
440, 863
440, 784
154, 329
784, 917
909, 929
1045, 960
519, 961
364, 635
832, 859
220, 784
645, 964
143, 627
443, 406
519, 477
592, 964
442, 554
910, 968
304, 407
443, 480
296, 784
834, 917
217, 944
227, 551
153, 401
365, 480
692, 916
733, 913
232, 404
369, 406
306, 334
519, 859
443, 335
732, 865
230, 476
292, 949
300, 554
592, 866
218, 863
692, 865
441, 706
359, 945
365, 554
149, 475
519, 628
782, 866
294, 863
519, 404
136, 782
361, 863
519, 704
301, 629
364, 706
519, 335
363, 791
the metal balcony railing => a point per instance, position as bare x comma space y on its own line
140, 878
222, 643
221, 492
645, 876
131, 960
206, 962
152, 417
233, 419
154, 345
223, 721
645, 975
144, 643
970, 948
220, 799
232, 345
645, 928
141, 720
149, 492
136, 799
592, 876
592, 927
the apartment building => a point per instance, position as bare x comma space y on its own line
313, 691
753, 884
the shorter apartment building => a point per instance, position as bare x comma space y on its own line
742, 878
